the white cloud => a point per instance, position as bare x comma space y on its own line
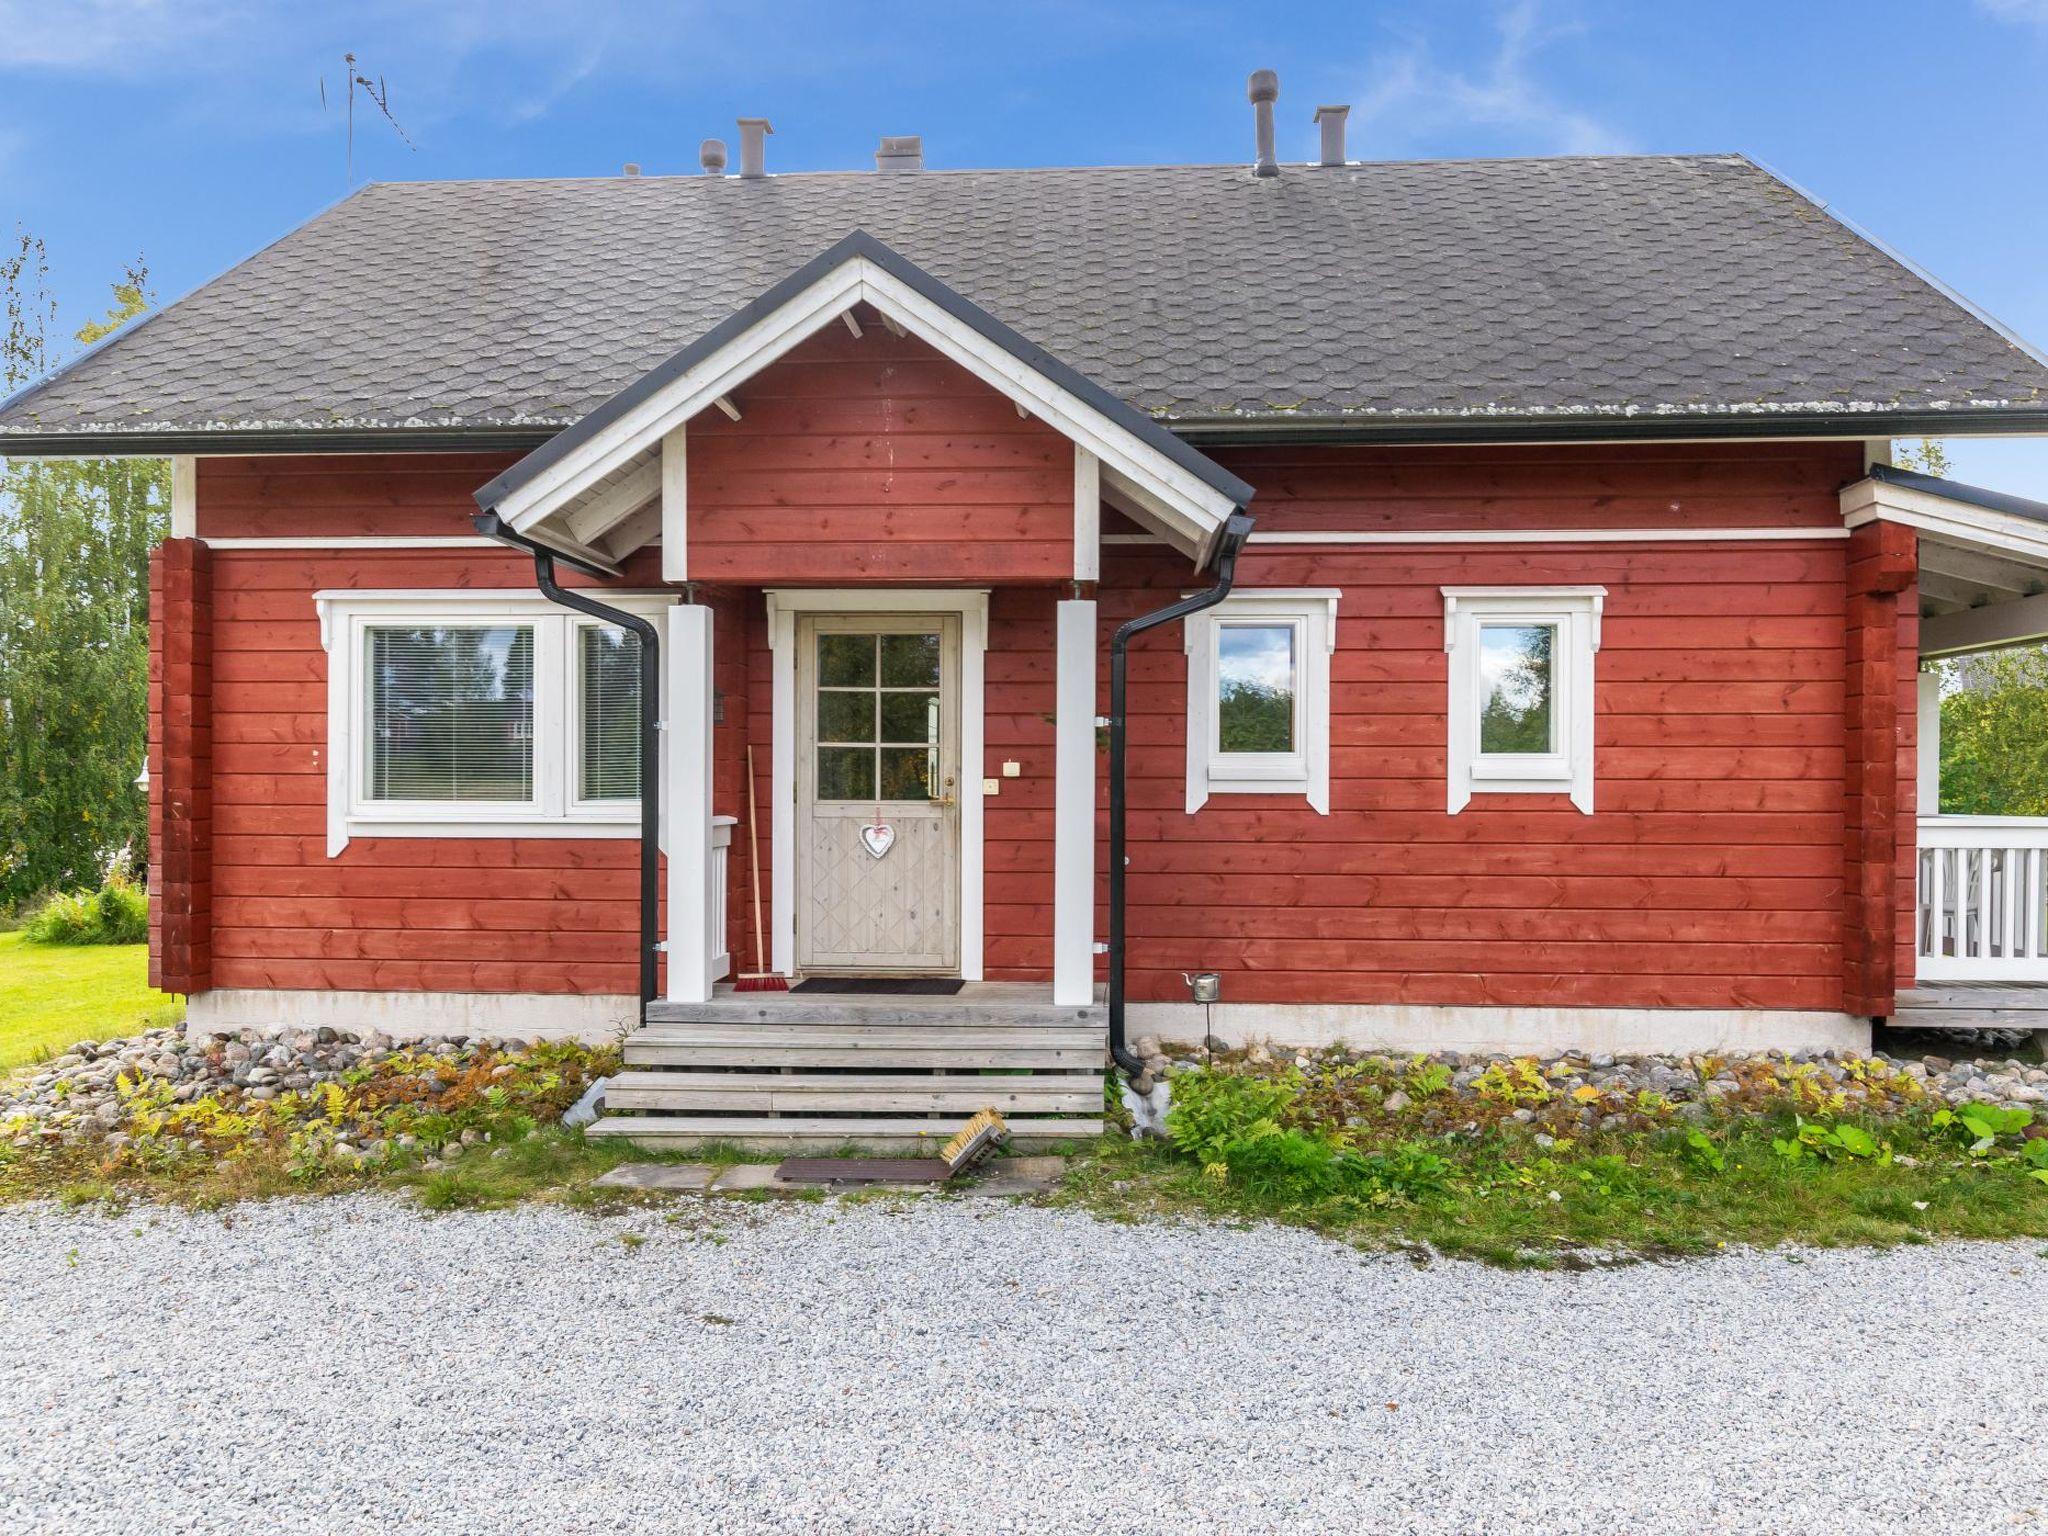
120, 37
1416, 104
2025, 12
261, 64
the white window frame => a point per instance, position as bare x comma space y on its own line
556, 809
1312, 613
1574, 612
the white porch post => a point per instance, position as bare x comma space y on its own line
691, 899
1928, 741
1073, 859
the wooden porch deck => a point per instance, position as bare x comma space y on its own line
1974, 1005
794, 1071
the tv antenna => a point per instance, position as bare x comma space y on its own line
379, 96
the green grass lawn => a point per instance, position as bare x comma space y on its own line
54, 994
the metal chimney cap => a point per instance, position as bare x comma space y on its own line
711, 156
1263, 86
1323, 112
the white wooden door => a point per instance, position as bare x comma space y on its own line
878, 793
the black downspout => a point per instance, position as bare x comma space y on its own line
1235, 531
491, 527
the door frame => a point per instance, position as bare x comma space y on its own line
784, 605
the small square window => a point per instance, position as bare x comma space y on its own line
1521, 690
1259, 696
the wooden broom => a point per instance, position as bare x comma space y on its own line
762, 980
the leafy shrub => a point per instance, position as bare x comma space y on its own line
1284, 1165
1826, 1143
1213, 1110
1978, 1127
116, 913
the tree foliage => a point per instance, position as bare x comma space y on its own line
75, 537
1994, 734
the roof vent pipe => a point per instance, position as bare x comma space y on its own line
902, 153
632, 168
711, 155
1331, 121
1264, 90
754, 133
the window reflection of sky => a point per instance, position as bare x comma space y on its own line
1259, 654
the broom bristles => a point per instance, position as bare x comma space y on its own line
753, 983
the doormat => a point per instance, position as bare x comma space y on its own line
882, 986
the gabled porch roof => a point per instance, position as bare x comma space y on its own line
598, 489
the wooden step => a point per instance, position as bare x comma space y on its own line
868, 1047
809, 1133
851, 1092
993, 1007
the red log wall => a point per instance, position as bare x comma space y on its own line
877, 460
181, 766
1713, 874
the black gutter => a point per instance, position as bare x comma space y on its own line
1235, 531
492, 527
165, 443
1194, 432
1600, 427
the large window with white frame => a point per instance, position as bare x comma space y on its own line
1521, 690
1259, 696
479, 714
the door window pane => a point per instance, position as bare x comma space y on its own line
908, 717
1255, 681
451, 713
846, 773
608, 673
910, 661
846, 661
906, 773
1517, 680
846, 716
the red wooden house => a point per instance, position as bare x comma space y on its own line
1537, 667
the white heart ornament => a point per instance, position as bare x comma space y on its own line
878, 838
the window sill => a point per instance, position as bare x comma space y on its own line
487, 826
1298, 787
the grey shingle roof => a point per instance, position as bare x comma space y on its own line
1398, 297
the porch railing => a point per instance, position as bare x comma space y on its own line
1980, 911
721, 852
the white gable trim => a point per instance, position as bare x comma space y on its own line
1141, 477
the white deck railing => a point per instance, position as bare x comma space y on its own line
1980, 912
721, 851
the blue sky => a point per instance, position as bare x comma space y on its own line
193, 132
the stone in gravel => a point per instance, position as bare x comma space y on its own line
683, 1178
1021, 1176
741, 1177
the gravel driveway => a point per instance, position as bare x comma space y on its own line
349, 1365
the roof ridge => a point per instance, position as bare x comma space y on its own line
698, 177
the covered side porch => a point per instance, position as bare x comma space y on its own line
1980, 893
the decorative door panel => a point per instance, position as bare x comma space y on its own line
878, 790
